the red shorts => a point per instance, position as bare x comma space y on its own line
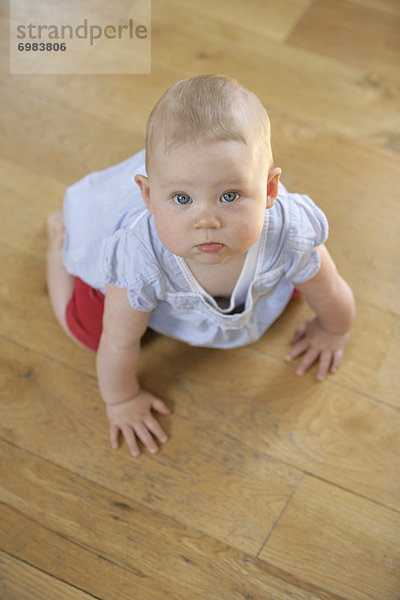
295, 293
84, 314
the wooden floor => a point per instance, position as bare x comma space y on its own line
272, 487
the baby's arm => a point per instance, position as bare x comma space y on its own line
128, 406
325, 335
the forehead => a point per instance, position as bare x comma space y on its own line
193, 163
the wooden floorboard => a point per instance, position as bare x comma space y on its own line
334, 526
158, 554
20, 581
365, 36
271, 487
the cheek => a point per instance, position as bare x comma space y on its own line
247, 237
169, 230
248, 228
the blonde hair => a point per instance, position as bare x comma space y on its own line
208, 108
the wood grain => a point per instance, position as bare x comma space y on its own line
27, 315
306, 87
198, 473
301, 84
272, 19
67, 143
19, 581
271, 486
362, 35
372, 372
48, 551
338, 541
147, 545
390, 6
363, 215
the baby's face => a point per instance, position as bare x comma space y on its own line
208, 201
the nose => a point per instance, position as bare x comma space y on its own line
207, 219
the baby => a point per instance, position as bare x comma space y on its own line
196, 238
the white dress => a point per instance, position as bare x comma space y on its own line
111, 237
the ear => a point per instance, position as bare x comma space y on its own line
143, 183
272, 186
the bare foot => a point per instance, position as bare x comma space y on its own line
55, 231
60, 283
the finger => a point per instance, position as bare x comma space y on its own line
299, 333
309, 358
154, 426
114, 435
325, 362
130, 440
145, 436
159, 406
298, 349
337, 360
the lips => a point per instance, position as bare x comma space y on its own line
210, 248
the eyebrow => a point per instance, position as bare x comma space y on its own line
185, 182
182, 182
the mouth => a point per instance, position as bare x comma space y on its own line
210, 248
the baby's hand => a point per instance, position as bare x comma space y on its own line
135, 420
315, 342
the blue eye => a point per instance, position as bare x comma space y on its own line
181, 199
229, 197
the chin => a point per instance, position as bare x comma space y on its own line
209, 259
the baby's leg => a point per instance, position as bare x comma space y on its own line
60, 283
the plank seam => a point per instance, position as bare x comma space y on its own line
74, 587
288, 501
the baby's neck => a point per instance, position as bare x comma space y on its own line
218, 280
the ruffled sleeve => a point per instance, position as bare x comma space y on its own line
308, 230
127, 263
